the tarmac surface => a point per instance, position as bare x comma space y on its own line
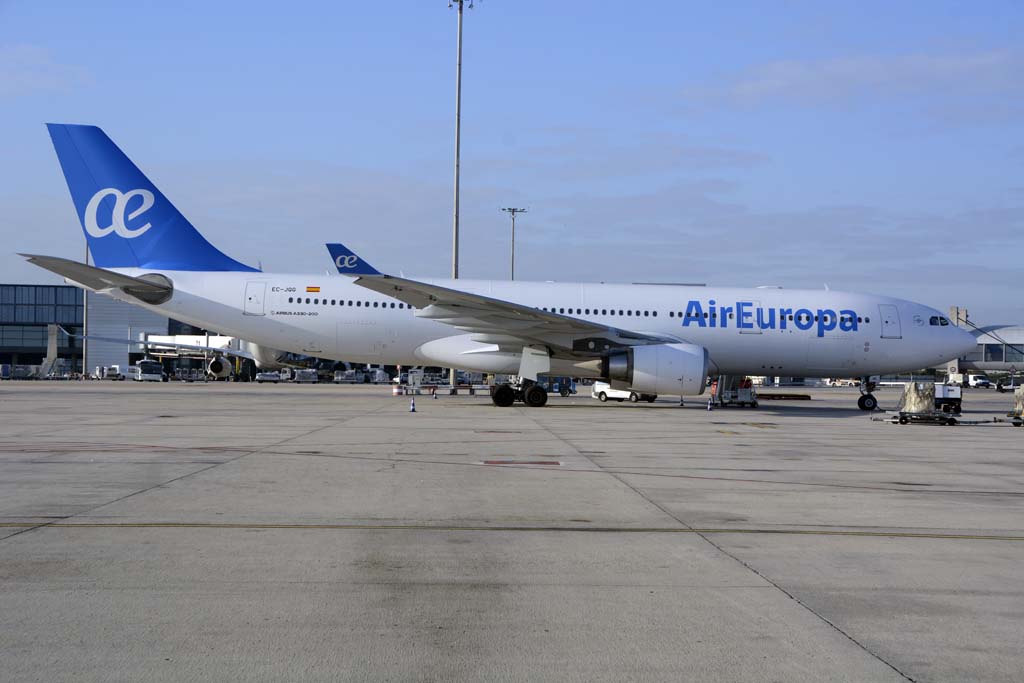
258, 532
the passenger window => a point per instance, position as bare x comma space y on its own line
307, 299
645, 314
333, 302
654, 313
290, 299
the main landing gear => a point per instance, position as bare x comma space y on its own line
534, 361
867, 400
530, 393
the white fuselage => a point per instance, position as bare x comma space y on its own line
746, 331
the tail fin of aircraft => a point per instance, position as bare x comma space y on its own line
348, 263
127, 221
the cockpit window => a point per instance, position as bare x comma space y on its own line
943, 322
934, 320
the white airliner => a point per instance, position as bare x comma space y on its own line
662, 339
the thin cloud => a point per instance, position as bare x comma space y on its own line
27, 69
846, 78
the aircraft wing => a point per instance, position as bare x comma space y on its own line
495, 321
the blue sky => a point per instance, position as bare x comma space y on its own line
870, 146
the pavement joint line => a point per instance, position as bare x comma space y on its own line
569, 529
706, 537
199, 471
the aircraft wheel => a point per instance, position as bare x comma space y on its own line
602, 397
535, 397
564, 393
651, 399
503, 396
867, 402
633, 398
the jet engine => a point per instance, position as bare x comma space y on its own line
673, 369
219, 367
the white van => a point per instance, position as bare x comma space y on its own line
979, 381
603, 392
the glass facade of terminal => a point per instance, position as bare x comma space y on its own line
26, 310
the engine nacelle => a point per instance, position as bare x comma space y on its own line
673, 369
219, 367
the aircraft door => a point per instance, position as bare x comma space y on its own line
255, 295
755, 306
890, 321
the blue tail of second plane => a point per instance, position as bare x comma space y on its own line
127, 221
347, 263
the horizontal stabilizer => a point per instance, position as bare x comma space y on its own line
151, 289
152, 345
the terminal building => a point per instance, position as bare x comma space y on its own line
1000, 349
27, 310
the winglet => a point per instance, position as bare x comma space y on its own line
348, 263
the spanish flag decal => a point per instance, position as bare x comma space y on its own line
312, 289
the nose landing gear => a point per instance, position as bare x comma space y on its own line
867, 400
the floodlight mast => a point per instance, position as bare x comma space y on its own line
512, 212
458, 140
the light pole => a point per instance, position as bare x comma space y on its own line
85, 322
458, 138
512, 212
458, 141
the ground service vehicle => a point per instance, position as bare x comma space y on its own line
603, 392
146, 371
980, 381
